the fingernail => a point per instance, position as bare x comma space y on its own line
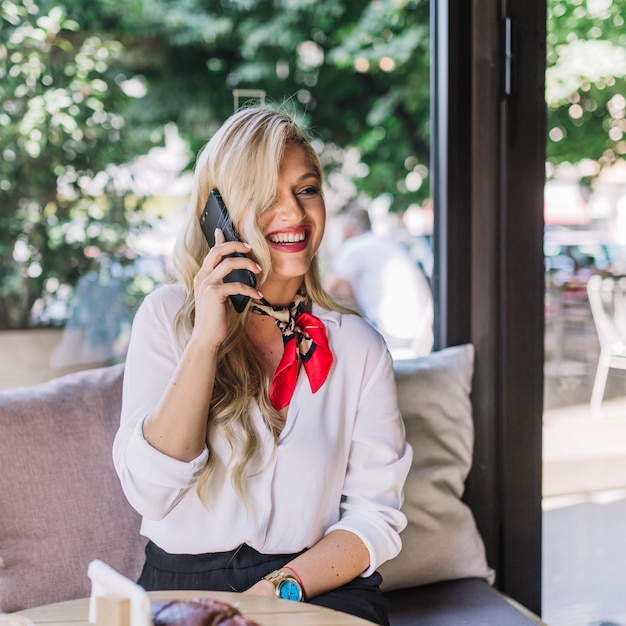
245, 243
260, 294
259, 267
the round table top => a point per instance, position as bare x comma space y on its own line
265, 611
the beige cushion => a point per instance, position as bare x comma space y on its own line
441, 541
61, 504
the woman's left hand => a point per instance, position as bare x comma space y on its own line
262, 588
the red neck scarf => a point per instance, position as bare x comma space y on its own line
305, 340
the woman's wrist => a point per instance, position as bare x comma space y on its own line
295, 574
262, 588
201, 345
286, 585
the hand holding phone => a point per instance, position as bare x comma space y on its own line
215, 216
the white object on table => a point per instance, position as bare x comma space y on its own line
106, 583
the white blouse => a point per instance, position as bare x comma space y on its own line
340, 461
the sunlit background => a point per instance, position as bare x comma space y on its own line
104, 104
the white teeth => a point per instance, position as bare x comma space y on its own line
288, 237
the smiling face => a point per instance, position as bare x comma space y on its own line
293, 226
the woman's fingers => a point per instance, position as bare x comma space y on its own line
222, 251
225, 248
219, 236
211, 292
236, 288
228, 264
222, 259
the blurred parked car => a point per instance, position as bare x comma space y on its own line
571, 257
574, 255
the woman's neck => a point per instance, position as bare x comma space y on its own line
280, 293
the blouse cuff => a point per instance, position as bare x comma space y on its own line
152, 466
387, 547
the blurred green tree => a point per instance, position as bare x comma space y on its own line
63, 207
68, 119
356, 72
586, 82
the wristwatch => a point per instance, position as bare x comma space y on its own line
286, 586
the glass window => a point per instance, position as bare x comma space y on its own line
584, 461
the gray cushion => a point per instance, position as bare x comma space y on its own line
61, 504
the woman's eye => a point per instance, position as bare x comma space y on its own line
308, 191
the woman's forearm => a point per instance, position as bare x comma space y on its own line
177, 427
334, 561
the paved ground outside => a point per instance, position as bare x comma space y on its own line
584, 469
584, 560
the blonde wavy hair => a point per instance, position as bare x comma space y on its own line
242, 161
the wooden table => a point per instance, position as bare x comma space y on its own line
264, 611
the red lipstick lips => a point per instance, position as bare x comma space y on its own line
289, 239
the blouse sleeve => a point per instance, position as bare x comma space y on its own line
379, 462
152, 481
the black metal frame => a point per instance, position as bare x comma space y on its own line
488, 177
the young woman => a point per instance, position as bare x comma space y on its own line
264, 449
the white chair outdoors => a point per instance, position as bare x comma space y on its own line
607, 299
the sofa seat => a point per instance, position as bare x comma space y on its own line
464, 602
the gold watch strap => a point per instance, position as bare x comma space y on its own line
277, 577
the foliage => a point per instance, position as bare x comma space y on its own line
63, 208
586, 81
357, 72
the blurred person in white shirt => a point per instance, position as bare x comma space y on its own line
378, 277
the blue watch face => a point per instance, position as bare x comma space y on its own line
289, 590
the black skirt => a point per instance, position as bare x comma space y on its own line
241, 568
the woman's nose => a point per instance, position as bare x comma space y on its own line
289, 207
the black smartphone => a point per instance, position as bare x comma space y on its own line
215, 215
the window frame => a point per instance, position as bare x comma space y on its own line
488, 176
